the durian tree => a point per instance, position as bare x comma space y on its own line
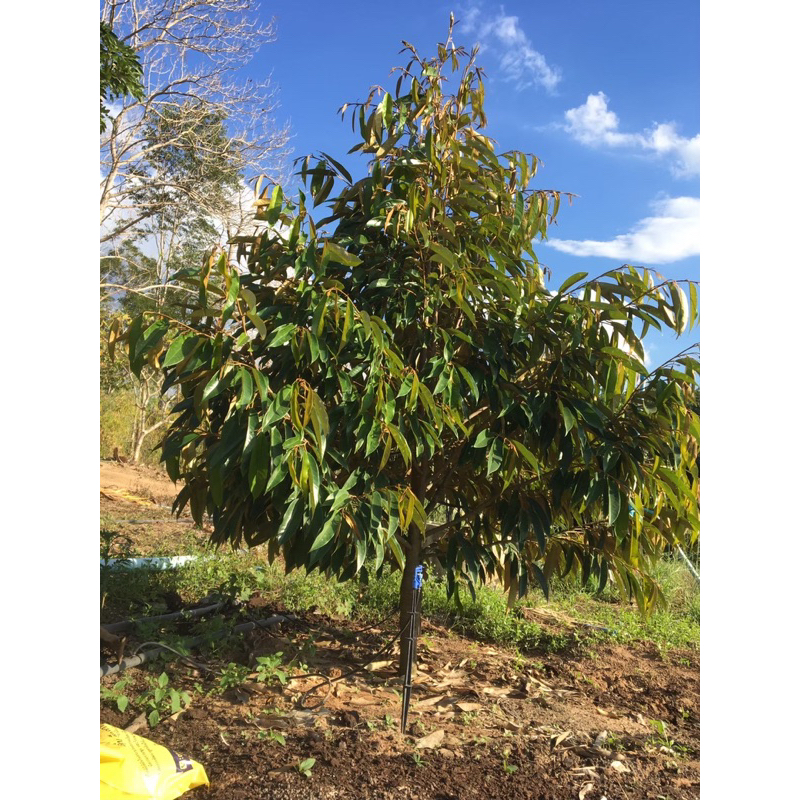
382, 377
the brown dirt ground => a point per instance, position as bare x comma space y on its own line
135, 503
544, 727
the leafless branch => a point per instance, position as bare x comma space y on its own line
190, 50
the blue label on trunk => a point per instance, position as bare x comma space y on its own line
418, 577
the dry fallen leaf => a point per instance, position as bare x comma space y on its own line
378, 665
497, 691
364, 701
619, 766
431, 741
555, 741
429, 701
274, 721
469, 706
585, 789
591, 772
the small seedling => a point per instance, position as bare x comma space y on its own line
509, 769
269, 671
232, 676
305, 767
272, 736
468, 717
519, 662
613, 742
160, 698
417, 759
388, 721
117, 694
662, 738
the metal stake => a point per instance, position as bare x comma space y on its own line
412, 647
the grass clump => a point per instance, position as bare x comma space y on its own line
588, 615
484, 618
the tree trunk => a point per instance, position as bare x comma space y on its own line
142, 435
419, 480
407, 598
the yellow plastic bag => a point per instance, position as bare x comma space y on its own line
134, 768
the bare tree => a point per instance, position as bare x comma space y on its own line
191, 52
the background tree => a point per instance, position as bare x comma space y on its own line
191, 52
403, 359
120, 72
179, 143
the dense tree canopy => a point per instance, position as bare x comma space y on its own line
395, 383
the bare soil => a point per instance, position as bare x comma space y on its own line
135, 503
484, 722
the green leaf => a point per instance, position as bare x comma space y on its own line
258, 471
313, 475
334, 252
361, 553
473, 387
614, 501
482, 439
258, 324
571, 281
402, 444
292, 517
692, 305
210, 388
374, 437
261, 384
344, 173
178, 350
495, 456
327, 533
569, 419
519, 211
246, 394
443, 254
281, 334
526, 454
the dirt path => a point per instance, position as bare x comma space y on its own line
145, 482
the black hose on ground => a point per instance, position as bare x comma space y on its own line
117, 627
149, 655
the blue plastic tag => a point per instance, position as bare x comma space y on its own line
418, 577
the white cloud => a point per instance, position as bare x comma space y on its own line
519, 61
595, 125
671, 234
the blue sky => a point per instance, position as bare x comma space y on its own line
606, 94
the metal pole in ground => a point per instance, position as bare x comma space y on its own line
412, 647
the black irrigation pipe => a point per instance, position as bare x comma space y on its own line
161, 521
117, 627
149, 655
